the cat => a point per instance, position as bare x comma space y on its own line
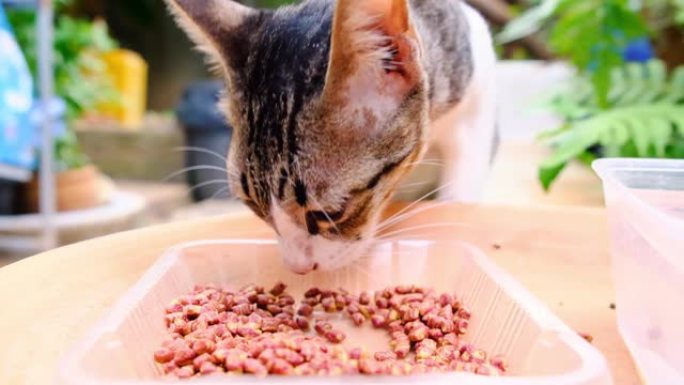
334, 101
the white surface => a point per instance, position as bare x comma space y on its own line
121, 205
521, 86
506, 320
645, 200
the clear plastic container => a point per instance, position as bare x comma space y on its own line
507, 320
645, 200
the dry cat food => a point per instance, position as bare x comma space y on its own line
255, 331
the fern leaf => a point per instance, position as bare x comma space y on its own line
650, 126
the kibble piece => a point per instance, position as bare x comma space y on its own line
445, 353
356, 353
462, 326
382, 303
358, 319
364, 298
412, 314
335, 336
202, 346
192, 311
163, 355
401, 345
463, 313
184, 372
365, 311
329, 304
302, 323
243, 309
499, 363
264, 300
255, 367
286, 300
425, 348
278, 289
199, 360
368, 366
340, 302
396, 326
435, 334
419, 333
235, 360
449, 339
184, 356
208, 368
402, 289
384, 356
305, 310
280, 367
274, 309
270, 325
313, 292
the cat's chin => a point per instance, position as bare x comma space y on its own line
316, 253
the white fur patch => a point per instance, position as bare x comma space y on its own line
303, 253
365, 94
465, 135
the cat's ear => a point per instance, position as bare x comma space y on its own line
217, 27
374, 48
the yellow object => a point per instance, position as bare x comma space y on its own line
129, 74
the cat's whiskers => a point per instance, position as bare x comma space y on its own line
201, 150
428, 162
196, 168
401, 218
392, 235
208, 183
219, 192
411, 186
389, 221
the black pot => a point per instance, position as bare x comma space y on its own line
205, 130
9, 197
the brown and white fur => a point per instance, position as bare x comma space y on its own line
334, 101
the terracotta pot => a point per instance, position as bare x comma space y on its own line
77, 189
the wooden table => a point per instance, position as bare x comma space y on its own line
560, 254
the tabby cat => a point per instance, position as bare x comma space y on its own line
334, 101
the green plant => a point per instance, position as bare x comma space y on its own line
613, 107
645, 118
80, 73
592, 34
80, 76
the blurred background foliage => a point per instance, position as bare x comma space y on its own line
81, 79
626, 98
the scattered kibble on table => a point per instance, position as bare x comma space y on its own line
260, 332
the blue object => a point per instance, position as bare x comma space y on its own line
17, 135
639, 51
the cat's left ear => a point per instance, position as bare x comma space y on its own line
218, 27
374, 49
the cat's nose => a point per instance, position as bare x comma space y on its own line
302, 268
298, 254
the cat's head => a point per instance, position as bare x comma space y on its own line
328, 102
